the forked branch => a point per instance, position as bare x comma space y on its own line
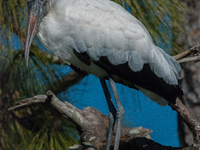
93, 125
189, 55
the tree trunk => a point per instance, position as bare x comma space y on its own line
190, 74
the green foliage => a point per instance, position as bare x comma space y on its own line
12, 21
41, 129
35, 127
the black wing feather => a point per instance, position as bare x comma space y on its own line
145, 78
84, 57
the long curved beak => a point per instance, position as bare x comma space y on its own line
33, 25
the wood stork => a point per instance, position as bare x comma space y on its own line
102, 38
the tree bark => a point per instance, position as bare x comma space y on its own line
190, 83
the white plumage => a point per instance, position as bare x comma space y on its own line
103, 28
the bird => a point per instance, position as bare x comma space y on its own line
102, 38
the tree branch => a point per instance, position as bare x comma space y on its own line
93, 125
65, 109
189, 119
192, 51
189, 59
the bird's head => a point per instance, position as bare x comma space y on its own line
38, 9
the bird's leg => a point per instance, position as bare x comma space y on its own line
120, 113
112, 114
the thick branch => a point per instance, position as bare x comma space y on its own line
66, 109
189, 119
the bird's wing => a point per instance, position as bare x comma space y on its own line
103, 28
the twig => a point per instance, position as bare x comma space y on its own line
194, 50
182, 55
184, 60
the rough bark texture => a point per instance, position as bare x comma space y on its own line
191, 71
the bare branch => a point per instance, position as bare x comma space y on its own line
189, 59
182, 55
65, 109
189, 119
28, 102
191, 52
70, 112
